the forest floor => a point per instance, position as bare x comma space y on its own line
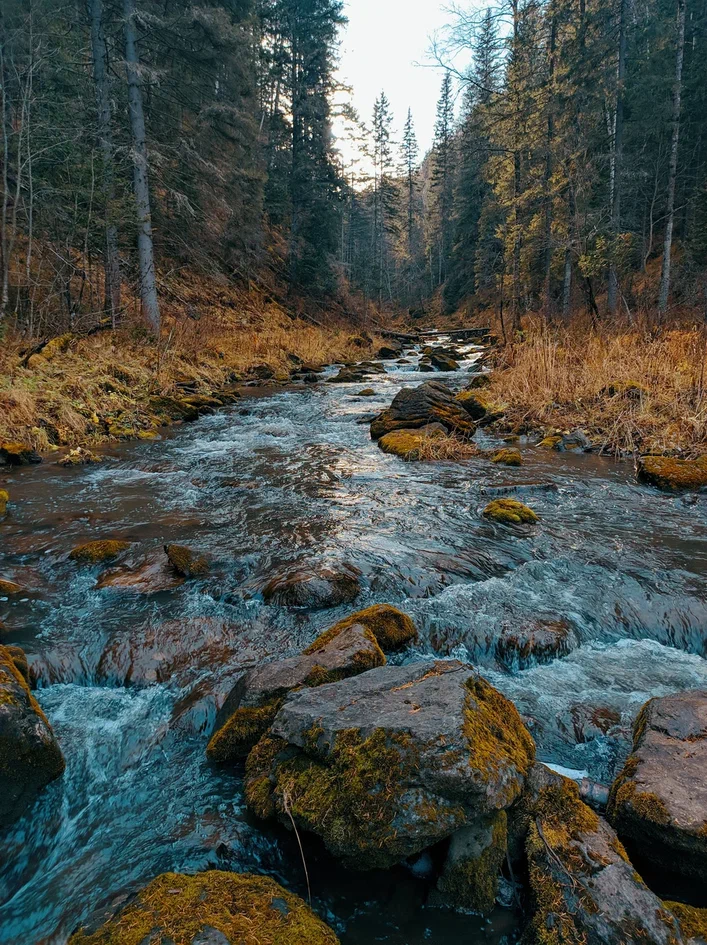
83, 391
628, 390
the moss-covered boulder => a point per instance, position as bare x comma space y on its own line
4, 499
583, 889
314, 588
673, 475
417, 407
507, 457
212, 908
389, 351
480, 407
510, 512
79, 457
256, 698
443, 362
385, 764
98, 552
533, 642
10, 588
391, 627
349, 375
204, 404
550, 442
409, 444
472, 868
693, 922
186, 562
658, 803
18, 454
30, 756
479, 381
173, 409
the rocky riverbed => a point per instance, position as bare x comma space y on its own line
237, 540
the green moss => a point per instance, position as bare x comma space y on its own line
508, 458
673, 475
186, 562
402, 443
693, 922
57, 346
480, 406
510, 512
550, 443
97, 552
391, 628
242, 732
174, 909
259, 783
4, 499
472, 882
495, 735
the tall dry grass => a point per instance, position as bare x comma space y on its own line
632, 390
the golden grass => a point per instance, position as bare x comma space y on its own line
630, 390
446, 448
211, 334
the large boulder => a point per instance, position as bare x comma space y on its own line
582, 884
18, 454
659, 801
417, 407
385, 764
212, 908
258, 695
673, 475
443, 362
30, 756
313, 588
482, 409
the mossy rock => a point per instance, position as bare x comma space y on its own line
469, 879
430, 403
510, 512
79, 457
29, 754
383, 765
507, 457
19, 454
57, 346
673, 475
187, 563
366, 392
10, 588
478, 382
313, 588
173, 409
4, 499
481, 408
391, 628
693, 922
550, 442
407, 444
628, 390
212, 907
98, 552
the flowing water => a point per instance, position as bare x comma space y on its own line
131, 681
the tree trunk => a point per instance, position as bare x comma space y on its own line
673, 173
5, 120
141, 183
617, 159
105, 140
549, 167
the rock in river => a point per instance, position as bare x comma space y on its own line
4, 499
186, 563
416, 407
385, 764
659, 801
212, 908
98, 552
18, 454
314, 589
673, 475
29, 754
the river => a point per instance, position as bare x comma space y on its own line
130, 681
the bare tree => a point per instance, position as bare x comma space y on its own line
617, 151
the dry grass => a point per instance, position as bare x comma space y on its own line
446, 448
211, 332
630, 390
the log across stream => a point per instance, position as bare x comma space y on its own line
131, 680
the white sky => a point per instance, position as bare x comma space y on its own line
380, 46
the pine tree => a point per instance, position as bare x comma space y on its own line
442, 183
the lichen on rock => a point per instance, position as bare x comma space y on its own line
507, 457
391, 627
232, 908
469, 879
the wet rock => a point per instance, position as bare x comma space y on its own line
30, 756
187, 563
443, 363
257, 697
314, 589
473, 864
19, 658
659, 801
98, 552
507, 458
510, 512
173, 409
311, 379
348, 376
4, 499
203, 404
551, 442
480, 408
533, 643
577, 440
389, 351
385, 764
366, 392
79, 457
408, 444
262, 371
18, 454
149, 576
391, 628
673, 475
479, 381
417, 407
426, 366
10, 588
212, 908
583, 887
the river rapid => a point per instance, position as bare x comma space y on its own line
131, 681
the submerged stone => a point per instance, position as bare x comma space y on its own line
212, 908
152, 575
659, 801
30, 756
385, 764
539, 641
314, 589
10, 588
79, 457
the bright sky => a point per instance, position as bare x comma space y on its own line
380, 46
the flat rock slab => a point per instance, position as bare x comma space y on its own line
659, 801
385, 764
